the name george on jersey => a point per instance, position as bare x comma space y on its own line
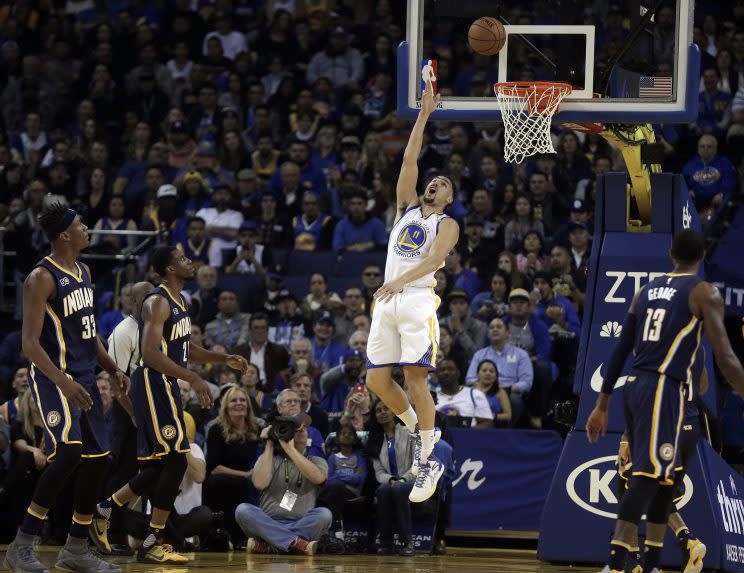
78, 299
666, 293
181, 328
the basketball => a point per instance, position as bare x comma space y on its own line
487, 36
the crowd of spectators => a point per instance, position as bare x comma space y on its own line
240, 131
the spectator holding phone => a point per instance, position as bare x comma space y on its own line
338, 381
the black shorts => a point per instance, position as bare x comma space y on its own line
654, 412
66, 424
158, 413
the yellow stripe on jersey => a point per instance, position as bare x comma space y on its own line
78, 277
154, 413
174, 299
60, 338
677, 341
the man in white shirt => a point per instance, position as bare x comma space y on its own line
232, 42
469, 405
222, 224
230, 327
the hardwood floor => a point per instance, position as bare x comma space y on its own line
457, 561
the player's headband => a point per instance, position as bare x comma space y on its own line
63, 225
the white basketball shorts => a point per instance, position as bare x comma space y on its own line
405, 330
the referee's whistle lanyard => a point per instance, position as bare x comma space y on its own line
230, 331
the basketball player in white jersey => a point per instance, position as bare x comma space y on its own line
404, 329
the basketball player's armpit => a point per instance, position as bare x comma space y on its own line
38, 288
620, 353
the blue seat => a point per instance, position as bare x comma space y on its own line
352, 264
281, 256
297, 285
339, 284
242, 285
306, 262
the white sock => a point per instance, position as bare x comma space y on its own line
427, 444
409, 418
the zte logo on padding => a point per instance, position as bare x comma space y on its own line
639, 278
592, 487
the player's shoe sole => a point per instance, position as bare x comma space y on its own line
426, 485
696, 553
161, 554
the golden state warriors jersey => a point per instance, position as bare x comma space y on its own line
68, 335
410, 242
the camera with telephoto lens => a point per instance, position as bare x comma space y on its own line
283, 428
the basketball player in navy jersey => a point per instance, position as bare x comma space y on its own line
663, 329
165, 348
59, 337
693, 550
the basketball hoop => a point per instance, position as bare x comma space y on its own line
527, 110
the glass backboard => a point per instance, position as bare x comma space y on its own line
632, 61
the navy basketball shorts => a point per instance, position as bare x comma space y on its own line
688, 439
66, 424
654, 411
159, 415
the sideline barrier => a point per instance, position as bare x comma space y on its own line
582, 493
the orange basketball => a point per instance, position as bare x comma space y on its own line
487, 36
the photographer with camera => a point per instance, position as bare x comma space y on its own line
289, 478
289, 403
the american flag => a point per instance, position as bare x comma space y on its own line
655, 87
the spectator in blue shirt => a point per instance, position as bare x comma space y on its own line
556, 311
327, 353
358, 231
709, 176
513, 363
347, 472
311, 176
714, 112
460, 277
110, 319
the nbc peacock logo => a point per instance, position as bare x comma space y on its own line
611, 329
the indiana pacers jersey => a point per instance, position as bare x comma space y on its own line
176, 330
410, 242
667, 334
68, 335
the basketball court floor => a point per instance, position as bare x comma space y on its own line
458, 560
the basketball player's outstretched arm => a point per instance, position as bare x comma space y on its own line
155, 312
445, 241
203, 356
596, 424
38, 288
706, 301
406, 189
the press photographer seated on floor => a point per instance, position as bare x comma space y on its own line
286, 519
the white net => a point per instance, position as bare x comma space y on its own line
527, 111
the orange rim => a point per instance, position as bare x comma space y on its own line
533, 92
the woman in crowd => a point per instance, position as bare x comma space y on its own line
233, 154
96, 196
9, 410
116, 221
356, 408
261, 402
232, 445
27, 457
488, 305
320, 299
498, 399
347, 472
523, 222
572, 163
532, 258
390, 446
507, 264
451, 349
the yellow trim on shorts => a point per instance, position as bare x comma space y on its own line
107, 452
154, 414
32, 371
655, 426
174, 409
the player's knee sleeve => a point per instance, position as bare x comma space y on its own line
91, 473
55, 477
146, 478
635, 501
661, 505
171, 473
